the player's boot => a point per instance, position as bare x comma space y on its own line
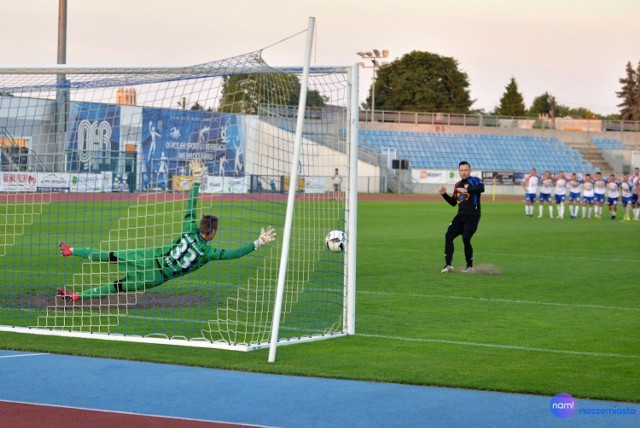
468, 269
447, 269
65, 250
69, 296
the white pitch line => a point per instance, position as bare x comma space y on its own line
562, 257
22, 355
491, 300
511, 347
497, 255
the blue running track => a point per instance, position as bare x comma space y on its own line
230, 397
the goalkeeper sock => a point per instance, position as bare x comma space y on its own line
92, 254
120, 286
98, 292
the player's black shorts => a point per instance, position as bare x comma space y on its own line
466, 225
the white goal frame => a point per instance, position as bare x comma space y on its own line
349, 317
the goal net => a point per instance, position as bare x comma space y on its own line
99, 158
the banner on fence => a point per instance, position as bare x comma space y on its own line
217, 184
52, 182
18, 182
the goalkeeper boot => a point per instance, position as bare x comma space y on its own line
65, 250
69, 296
447, 269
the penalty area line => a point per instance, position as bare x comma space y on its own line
491, 300
509, 347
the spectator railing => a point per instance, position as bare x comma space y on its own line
486, 120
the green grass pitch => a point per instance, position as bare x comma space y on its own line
562, 315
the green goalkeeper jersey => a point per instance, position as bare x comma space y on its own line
189, 252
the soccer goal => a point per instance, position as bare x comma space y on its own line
99, 158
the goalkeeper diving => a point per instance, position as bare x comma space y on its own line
148, 268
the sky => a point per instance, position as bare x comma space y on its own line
576, 50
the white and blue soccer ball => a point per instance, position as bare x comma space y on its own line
336, 241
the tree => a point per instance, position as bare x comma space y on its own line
422, 81
630, 94
244, 93
197, 106
544, 104
575, 112
512, 102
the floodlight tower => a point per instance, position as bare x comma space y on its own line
374, 56
62, 94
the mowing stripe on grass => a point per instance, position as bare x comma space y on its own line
490, 300
493, 345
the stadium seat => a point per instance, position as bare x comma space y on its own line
485, 151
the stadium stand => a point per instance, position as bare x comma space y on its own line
608, 144
488, 152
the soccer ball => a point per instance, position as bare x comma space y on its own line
336, 241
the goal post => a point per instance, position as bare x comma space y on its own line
291, 196
99, 158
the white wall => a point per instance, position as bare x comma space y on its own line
269, 151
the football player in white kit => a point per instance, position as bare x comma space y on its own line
613, 195
626, 191
587, 196
635, 179
530, 186
560, 193
545, 194
599, 190
575, 188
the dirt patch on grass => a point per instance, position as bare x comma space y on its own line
123, 300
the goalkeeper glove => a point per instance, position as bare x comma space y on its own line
198, 170
266, 236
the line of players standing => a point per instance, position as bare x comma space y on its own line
590, 193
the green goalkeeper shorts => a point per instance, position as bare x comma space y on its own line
140, 267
